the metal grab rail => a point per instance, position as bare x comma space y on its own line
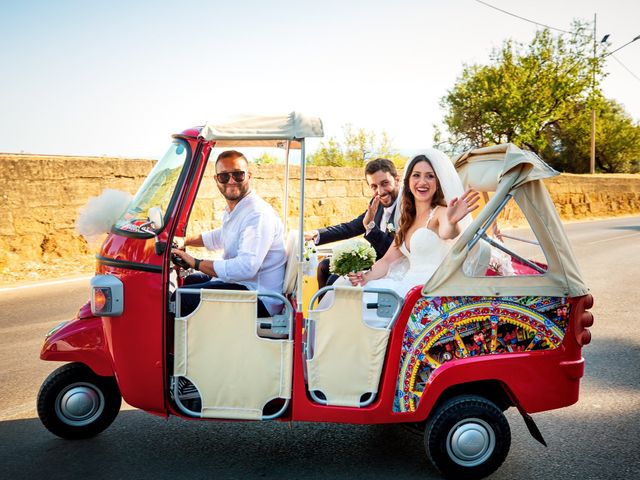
483, 230
482, 234
520, 239
390, 309
383, 311
500, 246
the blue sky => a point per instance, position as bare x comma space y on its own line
118, 78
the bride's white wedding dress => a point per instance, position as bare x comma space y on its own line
425, 253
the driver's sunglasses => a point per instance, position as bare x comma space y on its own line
238, 177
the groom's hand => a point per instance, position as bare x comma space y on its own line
311, 235
371, 212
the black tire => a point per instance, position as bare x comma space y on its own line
467, 437
74, 402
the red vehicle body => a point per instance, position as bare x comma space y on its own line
133, 350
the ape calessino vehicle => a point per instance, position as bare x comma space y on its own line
486, 332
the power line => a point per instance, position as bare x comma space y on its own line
557, 29
626, 68
526, 19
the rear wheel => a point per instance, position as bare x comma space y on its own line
467, 437
74, 402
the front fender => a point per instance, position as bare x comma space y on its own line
80, 340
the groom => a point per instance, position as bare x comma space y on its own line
377, 222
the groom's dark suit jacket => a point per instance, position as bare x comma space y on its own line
379, 240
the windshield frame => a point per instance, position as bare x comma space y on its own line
174, 196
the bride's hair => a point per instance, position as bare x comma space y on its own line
408, 201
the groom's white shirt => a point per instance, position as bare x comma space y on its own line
386, 214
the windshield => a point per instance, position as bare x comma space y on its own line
156, 191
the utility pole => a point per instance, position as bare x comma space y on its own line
592, 162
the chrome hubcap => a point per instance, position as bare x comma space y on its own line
79, 404
471, 442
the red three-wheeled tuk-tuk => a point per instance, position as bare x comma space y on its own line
492, 328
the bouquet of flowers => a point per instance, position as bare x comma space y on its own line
352, 256
310, 257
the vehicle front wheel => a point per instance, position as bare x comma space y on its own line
467, 437
75, 403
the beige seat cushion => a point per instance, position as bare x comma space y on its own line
236, 372
348, 355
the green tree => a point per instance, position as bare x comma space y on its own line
355, 149
385, 150
358, 145
265, 159
524, 93
617, 140
328, 154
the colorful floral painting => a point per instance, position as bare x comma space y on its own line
444, 329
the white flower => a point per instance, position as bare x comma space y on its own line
354, 255
309, 250
310, 258
391, 227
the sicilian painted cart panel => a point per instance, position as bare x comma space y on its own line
445, 329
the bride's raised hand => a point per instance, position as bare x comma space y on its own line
460, 207
356, 278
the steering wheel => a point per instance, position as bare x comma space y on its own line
177, 260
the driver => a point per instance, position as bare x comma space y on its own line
251, 237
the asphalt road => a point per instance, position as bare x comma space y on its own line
598, 438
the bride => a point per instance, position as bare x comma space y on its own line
434, 209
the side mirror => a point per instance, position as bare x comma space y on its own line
155, 217
155, 223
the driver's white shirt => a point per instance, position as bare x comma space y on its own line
252, 240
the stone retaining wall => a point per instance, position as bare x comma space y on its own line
42, 195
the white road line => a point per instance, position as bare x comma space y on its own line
45, 284
613, 238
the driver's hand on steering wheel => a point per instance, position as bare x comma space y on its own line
188, 259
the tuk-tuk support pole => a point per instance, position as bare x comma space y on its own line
285, 200
300, 280
489, 221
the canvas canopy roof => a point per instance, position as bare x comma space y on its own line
264, 131
483, 168
509, 171
282, 131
